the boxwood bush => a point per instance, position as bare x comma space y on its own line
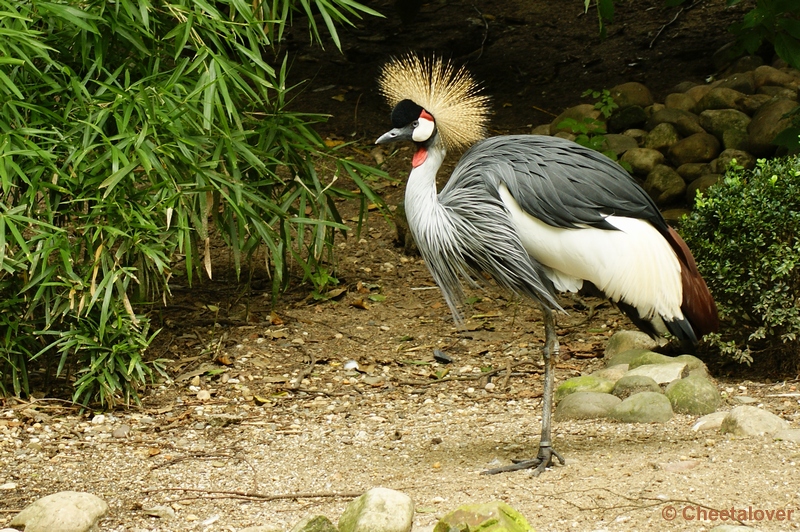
745, 234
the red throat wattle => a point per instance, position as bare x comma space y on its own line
419, 157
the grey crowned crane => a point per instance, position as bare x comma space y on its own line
539, 215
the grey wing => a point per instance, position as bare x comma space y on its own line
556, 180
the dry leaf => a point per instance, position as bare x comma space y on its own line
359, 303
224, 359
377, 154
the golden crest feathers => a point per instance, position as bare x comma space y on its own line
449, 94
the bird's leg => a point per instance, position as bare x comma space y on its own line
546, 452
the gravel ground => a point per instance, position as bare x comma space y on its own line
249, 432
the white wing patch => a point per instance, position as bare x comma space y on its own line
635, 264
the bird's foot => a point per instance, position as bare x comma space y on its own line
542, 461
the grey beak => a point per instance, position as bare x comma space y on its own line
396, 134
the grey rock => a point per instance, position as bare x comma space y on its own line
631, 94
679, 100
661, 137
766, 125
701, 185
767, 75
620, 144
719, 98
733, 139
161, 511
751, 104
744, 399
711, 421
788, 435
683, 86
721, 164
694, 395
638, 134
542, 129
579, 113
585, 405
743, 82
494, 516
778, 92
664, 185
378, 510
745, 63
584, 383
698, 91
315, 523
627, 118
673, 216
752, 421
685, 123
691, 171
651, 110
643, 160
625, 340
632, 384
718, 121
662, 373
121, 432
644, 407
697, 148
66, 511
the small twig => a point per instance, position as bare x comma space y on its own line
259, 496
680, 11
485, 31
305, 373
504, 383
355, 113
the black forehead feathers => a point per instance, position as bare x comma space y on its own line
404, 113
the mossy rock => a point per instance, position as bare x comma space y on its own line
495, 516
692, 362
694, 395
625, 357
585, 405
644, 407
612, 373
625, 340
650, 357
315, 523
584, 383
633, 384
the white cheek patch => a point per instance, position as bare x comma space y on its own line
424, 130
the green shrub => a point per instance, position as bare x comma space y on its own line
745, 235
130, 134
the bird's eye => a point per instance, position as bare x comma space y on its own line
415, 123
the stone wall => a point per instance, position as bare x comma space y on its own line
684, 144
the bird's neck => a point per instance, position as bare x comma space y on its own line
421, 201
